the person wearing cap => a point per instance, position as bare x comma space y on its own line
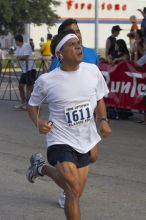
110, 43
73, 92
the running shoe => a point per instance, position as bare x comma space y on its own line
20, 107
61, 200
36, 161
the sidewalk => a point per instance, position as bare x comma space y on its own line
116, 187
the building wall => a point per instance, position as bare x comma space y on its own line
110, 12
6, 41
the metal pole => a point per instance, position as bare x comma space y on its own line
96, 25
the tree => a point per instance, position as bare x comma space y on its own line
14, 14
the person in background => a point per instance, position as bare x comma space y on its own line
134, 24
142, 60
122, 52
143, 23
110, 51
140, 63
1, 58
28, 76
89, 55
70, 127
138, 45
46, 53
31, 44
131, 35
42, 41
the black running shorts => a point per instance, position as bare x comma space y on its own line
62, 152
28, 78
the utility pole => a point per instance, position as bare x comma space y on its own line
96, 24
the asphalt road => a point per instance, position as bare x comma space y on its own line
116, 187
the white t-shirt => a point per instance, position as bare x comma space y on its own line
25, 50
72, 98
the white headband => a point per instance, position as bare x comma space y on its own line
64, 40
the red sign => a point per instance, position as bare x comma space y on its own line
71, 4
110, 6
126, 83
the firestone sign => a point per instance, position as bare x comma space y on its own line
71, 4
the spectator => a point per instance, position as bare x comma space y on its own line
89, 55
42, 41
143, 23
31, 44
122, 52
46, 53
28, 76
140, 63
142, 60
138, 45
131, 35
110, 43
134, 25
1, 58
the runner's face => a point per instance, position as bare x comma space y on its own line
72, 52
76, 29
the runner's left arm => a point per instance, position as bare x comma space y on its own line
101, 117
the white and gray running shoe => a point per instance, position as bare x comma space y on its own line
36, 161
20, 106
61, 200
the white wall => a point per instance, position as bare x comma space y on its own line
109, 17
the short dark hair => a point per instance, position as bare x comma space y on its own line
19, 38
57, 38
65, 24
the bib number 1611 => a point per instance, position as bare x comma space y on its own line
76, 116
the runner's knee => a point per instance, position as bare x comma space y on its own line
74, 190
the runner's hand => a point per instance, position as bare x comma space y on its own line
105, 129
44, 126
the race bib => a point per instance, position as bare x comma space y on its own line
78, 114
